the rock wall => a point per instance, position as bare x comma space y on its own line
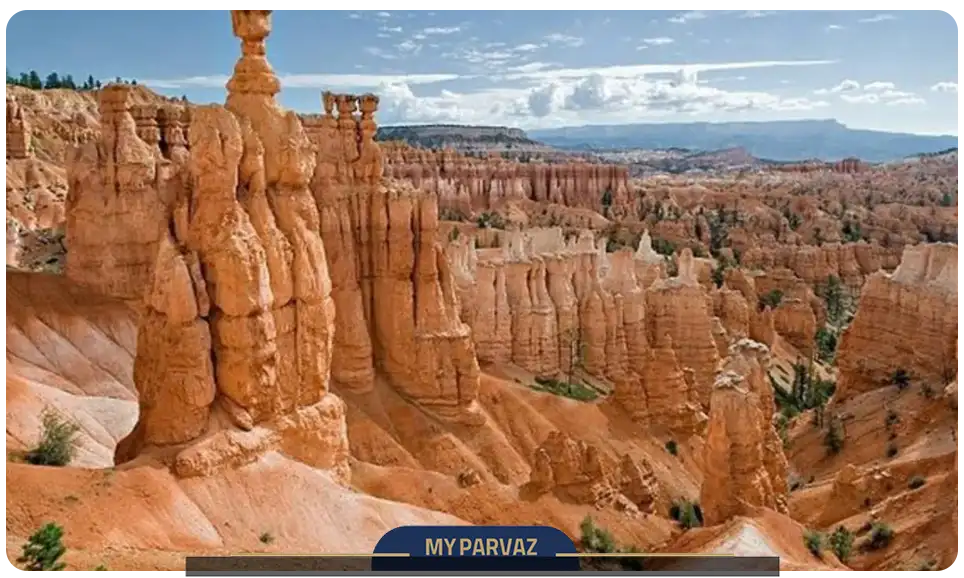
851, 262
235, 342
744, 464
120, 187
18, 131
905, 320
558, 308
467, 184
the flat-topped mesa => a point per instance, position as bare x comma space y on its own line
744, 464
18, 130
116, 200
234, 345
905, 321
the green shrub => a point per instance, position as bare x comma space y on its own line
490, 221
900, 378
771, 299
266, 538
101, 568
574, 391
880, 536
842, 542
57, 444
454, 234
892, 418
687, 513
834, 440
672, 448
826, 344
814, 542
595, 539
891, 450
916, 482
43, 549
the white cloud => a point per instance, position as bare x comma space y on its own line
944, 87
442, 30
865, 98
878, 18
409, 47
879, 86
907, 101
378, 52
832, 27
639, 70
531, 67
527, 47
845, 86
354, 15
571, 41
687, 16
383, 15
392, 29
658, 41
310, 80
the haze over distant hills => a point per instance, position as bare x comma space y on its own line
779, 140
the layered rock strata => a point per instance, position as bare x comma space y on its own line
466, 185
744, 464
18, 130
127, 179
906, 321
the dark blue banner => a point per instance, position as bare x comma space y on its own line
475, 548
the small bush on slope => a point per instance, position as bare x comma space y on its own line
57, 444
43, 550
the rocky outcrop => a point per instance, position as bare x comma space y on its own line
744, 464
18, 130
850, 262
396, 297
676, 307
467, 185
574, 471
122, 179
906, 320
235, 342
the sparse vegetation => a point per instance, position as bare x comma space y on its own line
490, 221
916, 482
450, 214
574, 391
891, 450
881, 536
834, 439
101, 568
687, 513
892, 418
842, 542
266, 537
672, 448
771, 299
814, 542
454, 234
826, 342
57, 441
595, 539
851, 232
664, 247
900, 378
43, 549
927, 565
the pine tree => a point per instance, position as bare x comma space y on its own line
34, 81
68, 82
90, 82
53, 81
43, 549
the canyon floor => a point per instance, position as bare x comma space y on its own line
275, 334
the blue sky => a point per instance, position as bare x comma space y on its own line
879, 70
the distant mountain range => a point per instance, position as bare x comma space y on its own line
826, 140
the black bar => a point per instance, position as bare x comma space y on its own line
481, 565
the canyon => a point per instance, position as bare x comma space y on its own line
266, 323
